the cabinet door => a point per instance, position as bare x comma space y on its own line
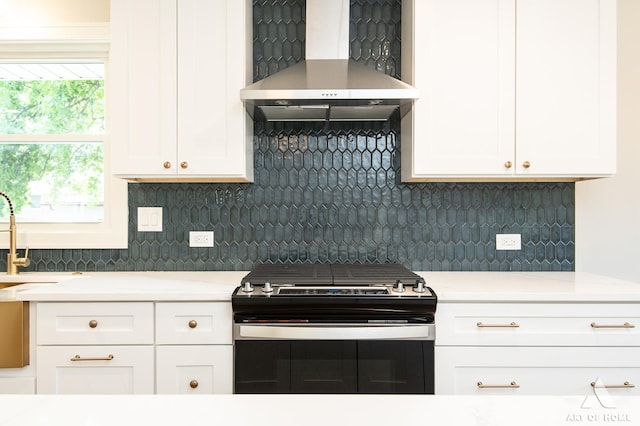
194, 369
95, 370
566, 87
463, 56
142, 91
214, 131
536, 370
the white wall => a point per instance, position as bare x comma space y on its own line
608, 210
34, 12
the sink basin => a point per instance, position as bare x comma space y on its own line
5, 285
9, 284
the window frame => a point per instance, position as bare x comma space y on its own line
72, 43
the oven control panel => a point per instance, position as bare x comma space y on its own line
398, 290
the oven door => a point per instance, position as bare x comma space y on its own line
334, 358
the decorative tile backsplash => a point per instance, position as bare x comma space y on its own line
331, 192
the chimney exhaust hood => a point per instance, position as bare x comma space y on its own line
327, 86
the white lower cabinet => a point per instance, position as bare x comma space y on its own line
133, 348
194, 351
536, 370
95, 369
95, 348
18, 385
537, 348
194, 369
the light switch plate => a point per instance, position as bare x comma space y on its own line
149, 219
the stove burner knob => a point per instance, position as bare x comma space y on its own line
419, 287
247, 287
398, 287
267, 287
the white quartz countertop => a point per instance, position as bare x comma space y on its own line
310, 410
218, 286
530, 287
137, 286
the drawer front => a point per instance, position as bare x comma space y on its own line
194, 323
537, 371
194, 369
94, 323
538, 324
95, 370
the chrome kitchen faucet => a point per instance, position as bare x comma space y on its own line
13, 261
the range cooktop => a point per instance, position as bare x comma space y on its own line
341, 274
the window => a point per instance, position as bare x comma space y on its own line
52, 126
54, 147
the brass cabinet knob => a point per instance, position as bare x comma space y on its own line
526, 164
93, 323
167, 165
193, 384
184, 164
193, 324
507, 164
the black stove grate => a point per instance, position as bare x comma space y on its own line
331, 274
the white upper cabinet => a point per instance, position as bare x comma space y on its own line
509, 89
176, 71
566, 87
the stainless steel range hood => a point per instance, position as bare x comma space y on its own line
327, 85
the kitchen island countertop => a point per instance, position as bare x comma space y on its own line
309, 410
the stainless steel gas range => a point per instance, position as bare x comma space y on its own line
333, 328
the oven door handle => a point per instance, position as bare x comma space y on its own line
336, 332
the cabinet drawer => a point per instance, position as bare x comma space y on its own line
194, 369
94, 323
95, 369
193, 323
538, 324
537, 371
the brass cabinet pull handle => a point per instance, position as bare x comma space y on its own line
625, 325
624, 385
510, 325
512, 385
193, 324
526, 164
508, 164
184, 164
93, 323
193, 384
79, 358
167, 165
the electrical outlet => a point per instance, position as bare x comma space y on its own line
508, 242
200, 238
